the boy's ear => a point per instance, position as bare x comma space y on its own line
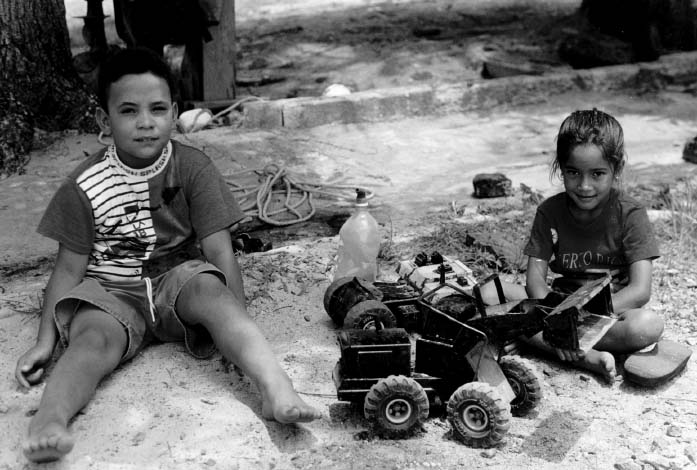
175, 111
103, 121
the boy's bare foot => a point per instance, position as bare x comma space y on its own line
47, 441
283, 404
601, 362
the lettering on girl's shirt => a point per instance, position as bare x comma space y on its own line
585, 259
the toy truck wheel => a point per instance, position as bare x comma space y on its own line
344, 293
329, 296
396, 406
478, 415
524, 381
369, 315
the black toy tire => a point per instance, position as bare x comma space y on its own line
478, 415
346, 290
367, 314
329, 294
396, 406
524, 381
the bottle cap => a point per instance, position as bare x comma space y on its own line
361, 200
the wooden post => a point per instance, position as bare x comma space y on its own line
219, 55
93, 30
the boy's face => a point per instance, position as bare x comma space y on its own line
140, 117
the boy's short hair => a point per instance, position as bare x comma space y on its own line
134, 60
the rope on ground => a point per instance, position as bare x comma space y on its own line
277, 198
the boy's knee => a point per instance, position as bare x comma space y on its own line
98, 331
202, 296
205, 286
96, 339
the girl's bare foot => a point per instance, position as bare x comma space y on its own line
601, 362
283, 404
48, 440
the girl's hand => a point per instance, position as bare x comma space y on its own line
511, 347
30, 367
569, 355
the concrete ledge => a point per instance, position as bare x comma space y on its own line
390, 103
371, 105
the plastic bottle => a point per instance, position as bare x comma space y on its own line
359, 243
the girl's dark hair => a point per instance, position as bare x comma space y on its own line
135, 60
590, 127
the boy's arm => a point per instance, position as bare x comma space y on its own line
638, 291
536, 278
68, 272
217, 248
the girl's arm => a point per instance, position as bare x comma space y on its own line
217, 248
638, 291
537, 288
68, 272
536, 278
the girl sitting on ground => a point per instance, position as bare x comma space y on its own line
592, 226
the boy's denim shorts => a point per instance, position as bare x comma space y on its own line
145, 308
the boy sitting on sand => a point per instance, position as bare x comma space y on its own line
120, 217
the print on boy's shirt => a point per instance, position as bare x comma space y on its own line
168, 194
584, 259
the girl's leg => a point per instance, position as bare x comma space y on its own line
634, 330
600, 362
97, 343
207, 301
510, 291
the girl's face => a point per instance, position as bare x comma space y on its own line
588, 179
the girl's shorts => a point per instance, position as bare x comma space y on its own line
145, 308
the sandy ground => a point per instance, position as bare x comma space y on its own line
165, 410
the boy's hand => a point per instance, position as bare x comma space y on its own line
30, 367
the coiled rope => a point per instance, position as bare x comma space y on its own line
279, 199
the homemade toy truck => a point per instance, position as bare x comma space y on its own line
455, 355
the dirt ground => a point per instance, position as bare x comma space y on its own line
291, 49
165, 410
396, 44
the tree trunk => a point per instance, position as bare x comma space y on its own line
652, 27
39, 87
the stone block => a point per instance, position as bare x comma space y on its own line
488, 185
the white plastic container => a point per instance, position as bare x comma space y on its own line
359, 243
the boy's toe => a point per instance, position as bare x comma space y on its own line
309, 414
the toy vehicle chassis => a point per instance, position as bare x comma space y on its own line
453, 359
356, 303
